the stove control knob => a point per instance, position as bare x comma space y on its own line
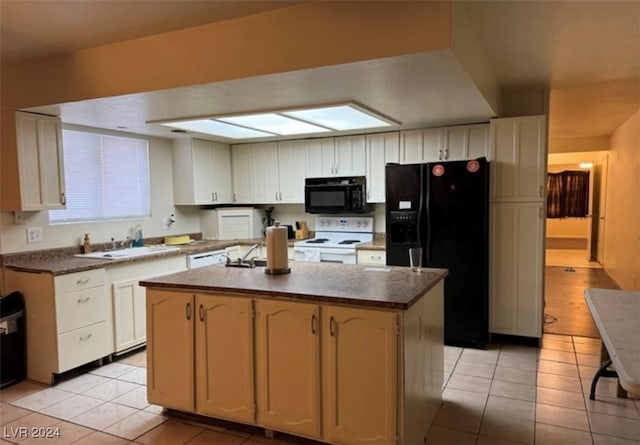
365, 223
359, 224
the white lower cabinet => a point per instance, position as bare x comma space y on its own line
516, 290
128, 298
68, 320
374, 257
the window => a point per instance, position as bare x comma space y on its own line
106, 178
568, 194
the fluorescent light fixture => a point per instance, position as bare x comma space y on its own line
294, 121
340, 117
586, 164
216, 128
274, 123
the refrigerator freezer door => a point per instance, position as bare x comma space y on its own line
403, 206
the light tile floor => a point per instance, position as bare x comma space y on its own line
504, 395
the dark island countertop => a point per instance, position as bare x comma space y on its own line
388, 287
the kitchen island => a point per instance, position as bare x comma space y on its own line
339, 353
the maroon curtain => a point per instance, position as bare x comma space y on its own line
568, 194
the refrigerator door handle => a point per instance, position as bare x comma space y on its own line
424, 201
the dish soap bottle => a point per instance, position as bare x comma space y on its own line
137, 237
87, 243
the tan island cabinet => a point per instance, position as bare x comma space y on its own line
288, 366
339, 373
224, 357
360, 375
170, 352
209, 336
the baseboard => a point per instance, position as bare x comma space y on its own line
566, 243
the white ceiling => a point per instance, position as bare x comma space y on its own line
586, 52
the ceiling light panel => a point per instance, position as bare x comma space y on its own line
208, 126
341, 117
274, 123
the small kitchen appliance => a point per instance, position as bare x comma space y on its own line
443, 207
336, 238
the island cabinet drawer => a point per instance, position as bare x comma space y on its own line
81, 308
80, 280
82, 345
372, 257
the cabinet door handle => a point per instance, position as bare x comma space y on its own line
85, 337
83, 280
440, 154
313, 324
83, 300
280, 196
542, 191
188, 311
332, 326
201, 310
63, 199
420, 328
446, 153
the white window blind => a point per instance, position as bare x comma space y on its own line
106, 178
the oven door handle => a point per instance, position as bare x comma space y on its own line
331, 252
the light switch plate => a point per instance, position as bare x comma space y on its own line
34, 234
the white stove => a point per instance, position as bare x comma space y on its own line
336, 239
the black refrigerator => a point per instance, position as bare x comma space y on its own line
443, 207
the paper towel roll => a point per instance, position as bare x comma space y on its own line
277, 254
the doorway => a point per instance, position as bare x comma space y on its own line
574, 251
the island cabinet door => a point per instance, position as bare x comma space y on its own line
288, 359
360, 375
224, 357
170, 349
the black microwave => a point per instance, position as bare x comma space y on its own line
335, 195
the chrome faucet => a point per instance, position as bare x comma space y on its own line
251, 249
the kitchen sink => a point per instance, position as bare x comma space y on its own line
131, 252
247, 264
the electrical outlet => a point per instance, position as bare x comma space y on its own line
34, 234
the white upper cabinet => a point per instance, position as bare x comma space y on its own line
40, 161
242, 174
269, 172
202, 172
342, 156
445, 144
519, 155
292, 167
264, 159
422, 145
381, 149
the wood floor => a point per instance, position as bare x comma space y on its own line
566, 311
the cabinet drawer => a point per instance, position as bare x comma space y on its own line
81, 308
82, 346
79, 280
372, 257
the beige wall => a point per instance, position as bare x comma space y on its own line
622, 232
299, 37
13, 236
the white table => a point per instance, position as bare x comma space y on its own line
617, 317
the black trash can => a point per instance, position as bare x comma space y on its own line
13, 360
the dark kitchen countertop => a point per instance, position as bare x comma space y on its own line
387, 287
62, 262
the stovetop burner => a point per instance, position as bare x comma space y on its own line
317, 241
349, 241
